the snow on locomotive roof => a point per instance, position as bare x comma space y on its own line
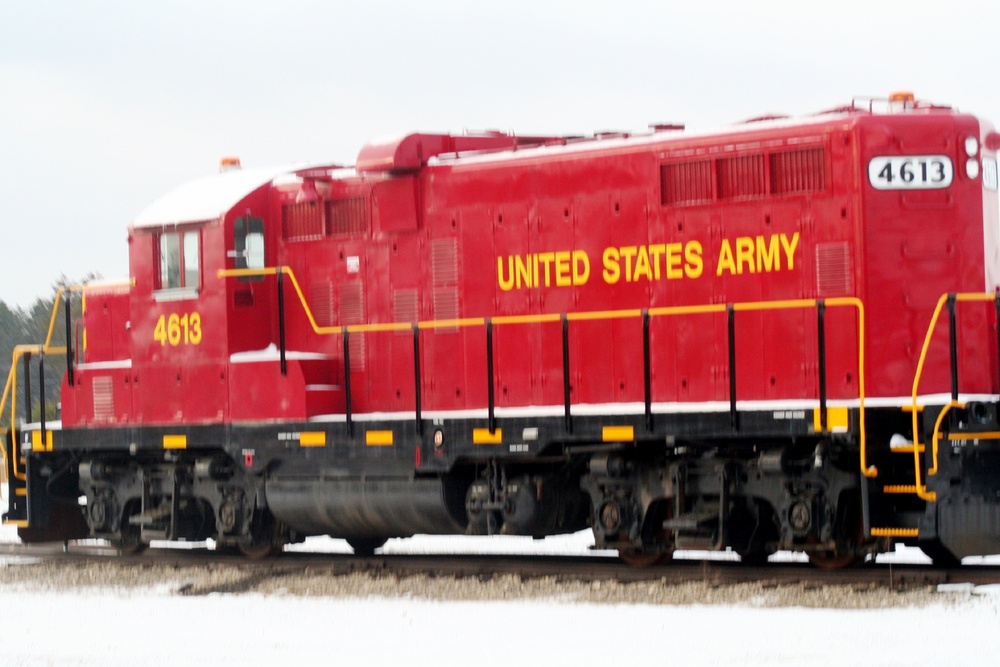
210, 197
587, 144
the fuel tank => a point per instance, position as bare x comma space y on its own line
362, 507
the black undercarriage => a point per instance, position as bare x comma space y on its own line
647, 485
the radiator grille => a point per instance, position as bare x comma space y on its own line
444, 273
347, 216
686, 182
104, 398
405, 307
352, 311
321, 303
834, 274
797, 172
741, 177
302, 221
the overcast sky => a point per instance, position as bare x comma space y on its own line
106, 105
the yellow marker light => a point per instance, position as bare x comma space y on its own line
175, 442
482, 436
618, 434
379, 438
312, 439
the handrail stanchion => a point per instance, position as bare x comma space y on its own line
953, 347
821, 336
41, 397
281, 321
646, 371
734, 419
491, 399
996, 309
69, 341
566, 383
416, 379
26, 361
347, 380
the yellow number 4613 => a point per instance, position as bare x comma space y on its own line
178, 329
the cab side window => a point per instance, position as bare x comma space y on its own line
179, 260
248, 243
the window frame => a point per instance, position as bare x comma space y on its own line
176, 280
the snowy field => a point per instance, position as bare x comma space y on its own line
155, 626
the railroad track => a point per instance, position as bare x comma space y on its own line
578, 569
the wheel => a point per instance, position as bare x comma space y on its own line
366, 546
829, 561
259, 551
640, 559
130, 542
266, 537
657, 545
849, 549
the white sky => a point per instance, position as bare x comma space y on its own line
106, 105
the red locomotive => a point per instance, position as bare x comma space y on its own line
780, 335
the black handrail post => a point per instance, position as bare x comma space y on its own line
821, 335
489, 376
347, 380
646, 371
416, 378
281, 321
566, 384
26, 361
996, 308
734, 420
67, 296
41, 396
953, 346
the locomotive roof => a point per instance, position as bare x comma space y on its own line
599, 143
212, 196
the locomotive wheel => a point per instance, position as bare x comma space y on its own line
130, 541
829, 561
259, 551
658, 547
366, 546
266, 537
129, 545
640, 559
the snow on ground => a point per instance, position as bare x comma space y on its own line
136, 627
154, 627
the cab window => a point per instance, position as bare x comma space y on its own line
248, 243
179, 260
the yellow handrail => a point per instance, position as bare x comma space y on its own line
10, 389
19, 351
922, 491
933, 470
866, 470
